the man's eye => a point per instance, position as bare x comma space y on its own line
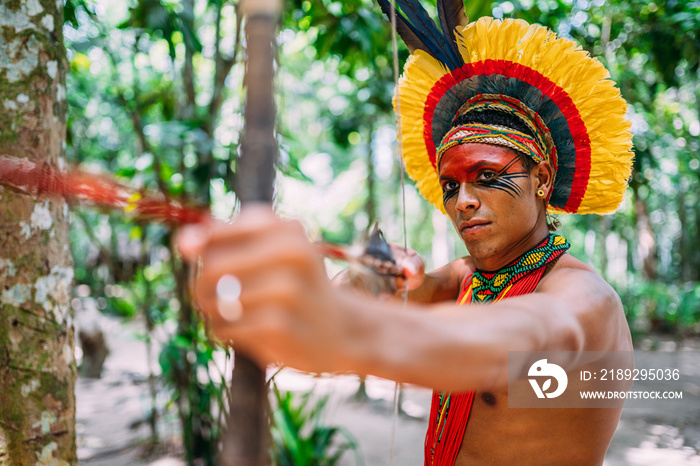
449, 186
486, 175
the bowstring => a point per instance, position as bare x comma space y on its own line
399, 152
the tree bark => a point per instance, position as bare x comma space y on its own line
37, 368
603, 232
646, 240
685, 252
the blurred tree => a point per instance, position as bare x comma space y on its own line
37, 369
148, 83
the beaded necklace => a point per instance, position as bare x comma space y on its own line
449, 412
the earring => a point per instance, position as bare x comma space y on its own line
540, 193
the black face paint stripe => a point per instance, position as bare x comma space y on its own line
449, 194
506, 181
508, 165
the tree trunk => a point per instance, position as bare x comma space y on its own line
603, 232
695, 239
646, 244
685, 252
37, 368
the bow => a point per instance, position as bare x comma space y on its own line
245, 442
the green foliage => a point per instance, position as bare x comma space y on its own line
661, 307
201, 399
354, 31
167, 19
299, 435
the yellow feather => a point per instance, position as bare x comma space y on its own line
582, 77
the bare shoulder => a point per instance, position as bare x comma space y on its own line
579, 289
463, 266
443, 284
570, 277
567, 269
454, 271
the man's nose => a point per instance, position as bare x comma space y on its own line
467, 198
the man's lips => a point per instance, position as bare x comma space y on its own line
473, 225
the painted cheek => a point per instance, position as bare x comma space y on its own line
450, 200
449, 195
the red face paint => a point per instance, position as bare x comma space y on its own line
496, 169
490, 198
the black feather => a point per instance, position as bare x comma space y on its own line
414, 17
421, 21
451, 14
376, 270
412, 41
377, 247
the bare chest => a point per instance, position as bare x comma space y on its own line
497, 434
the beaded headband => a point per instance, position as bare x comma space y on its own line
491, 134
531, 120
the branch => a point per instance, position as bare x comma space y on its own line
223, 66
135, 117
104, 253
188, 69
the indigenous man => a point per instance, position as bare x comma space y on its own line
501, 124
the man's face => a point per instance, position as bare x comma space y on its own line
490, 197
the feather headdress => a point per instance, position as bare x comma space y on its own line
564, 88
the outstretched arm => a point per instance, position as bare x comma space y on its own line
292, 314
459, 348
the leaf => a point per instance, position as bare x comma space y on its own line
475, 9
546, 385
299, 434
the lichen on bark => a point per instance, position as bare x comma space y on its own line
4, 457
37, 376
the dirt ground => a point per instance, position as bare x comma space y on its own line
112, 431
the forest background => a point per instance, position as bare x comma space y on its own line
155, 98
